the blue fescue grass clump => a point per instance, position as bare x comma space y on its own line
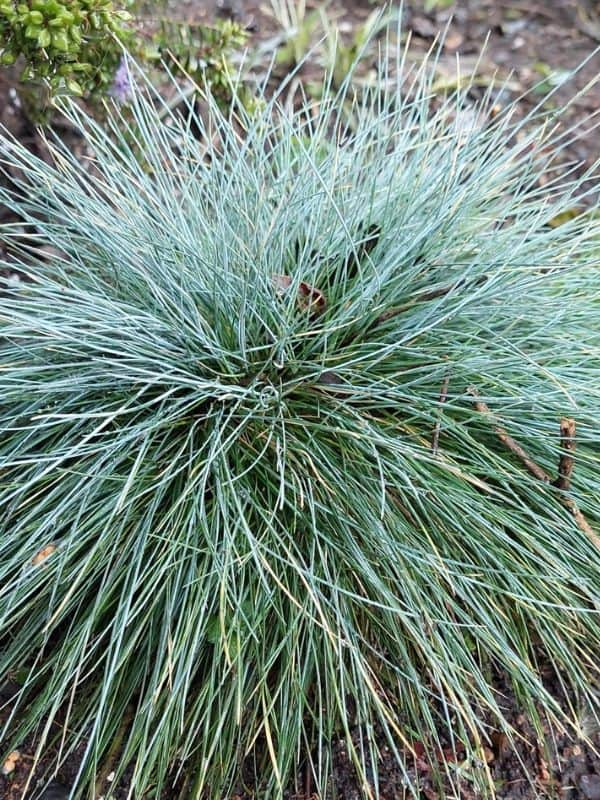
281, 434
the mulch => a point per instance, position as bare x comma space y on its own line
546, 764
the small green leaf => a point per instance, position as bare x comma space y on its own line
44, 38
60, 41
32, 31
74, 87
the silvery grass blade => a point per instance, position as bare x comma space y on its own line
281, 434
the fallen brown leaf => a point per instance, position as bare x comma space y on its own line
308, 298
500, 743
43, 554
488, 755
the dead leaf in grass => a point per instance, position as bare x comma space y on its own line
500, 743
488, 755
43, 554
308, 297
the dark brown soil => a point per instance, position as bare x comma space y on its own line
531, 43
546, 764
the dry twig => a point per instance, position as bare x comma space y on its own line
420, 298
565, 467
506, 439
425, 297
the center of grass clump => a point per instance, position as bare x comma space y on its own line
300, 439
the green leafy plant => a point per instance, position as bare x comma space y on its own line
78, 47
299, 28
282, 453
315, 37
73, 45
341, 56
199, 52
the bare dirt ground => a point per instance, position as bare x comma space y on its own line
531, 45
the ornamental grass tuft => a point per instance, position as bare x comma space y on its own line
300, 435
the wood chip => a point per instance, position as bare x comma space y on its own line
11, 762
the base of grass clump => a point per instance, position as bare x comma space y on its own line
300, 439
